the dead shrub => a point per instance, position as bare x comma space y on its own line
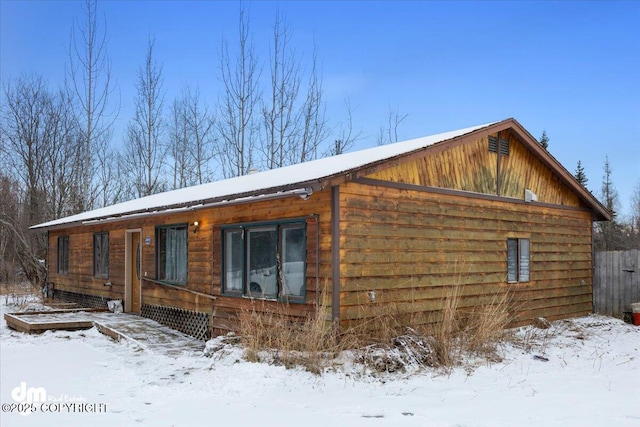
21, 294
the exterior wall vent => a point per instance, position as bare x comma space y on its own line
530, 196
493, 145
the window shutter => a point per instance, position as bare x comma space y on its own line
524, 260
512, 260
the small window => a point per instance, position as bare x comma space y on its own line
171, 253
101, 255
517, 260
265, 261
63, 255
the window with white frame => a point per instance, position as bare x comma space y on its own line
265, 261
518, 260
171, 253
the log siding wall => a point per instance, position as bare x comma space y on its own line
204, 257
409, 246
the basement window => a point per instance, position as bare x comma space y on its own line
171, 253
101, 255
265, 261
63, 255
517, 260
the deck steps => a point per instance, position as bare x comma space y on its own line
147, 334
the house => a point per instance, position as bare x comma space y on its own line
393, 226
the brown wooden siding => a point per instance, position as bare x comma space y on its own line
204, 257
472, 167
410, 246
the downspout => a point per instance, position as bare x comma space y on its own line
46, 267
593, 266
335, 255
499, 154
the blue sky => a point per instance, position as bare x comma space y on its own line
570, 68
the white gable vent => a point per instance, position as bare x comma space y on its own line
530, 196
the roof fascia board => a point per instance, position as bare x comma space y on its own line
602, 213
299, 192
437, 147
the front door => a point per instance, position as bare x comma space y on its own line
136, 253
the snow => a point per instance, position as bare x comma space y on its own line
262, 183
591, 379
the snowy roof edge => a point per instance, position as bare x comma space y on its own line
262, 183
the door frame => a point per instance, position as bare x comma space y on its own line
128, 268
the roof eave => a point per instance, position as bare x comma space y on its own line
601, 213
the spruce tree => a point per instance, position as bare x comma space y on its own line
580, 176
544, 140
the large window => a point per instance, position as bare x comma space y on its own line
517, 260
265, 261
171, 253
101, 255
63, 255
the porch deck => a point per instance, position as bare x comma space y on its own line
149, 335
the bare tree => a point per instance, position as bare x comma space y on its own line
191, 139
389, 134
314, 123
345, 137
236, 126
112, 187
144, 148
11, 207
280, 121
91, 86
40, 151
179, 142
42, 146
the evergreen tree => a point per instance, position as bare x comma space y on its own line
580, 176
544, 140
610, 236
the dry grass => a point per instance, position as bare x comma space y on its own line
445, 333
486, 324
381, 343
20, 294
283, 339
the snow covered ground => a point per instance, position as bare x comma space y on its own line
591, 378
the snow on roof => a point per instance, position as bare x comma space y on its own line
259, 184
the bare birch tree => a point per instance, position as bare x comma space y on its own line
346, 136
144, 147
280, 119
91, 86
179, 142
236, 125
389, 134
192, 139
314, 123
